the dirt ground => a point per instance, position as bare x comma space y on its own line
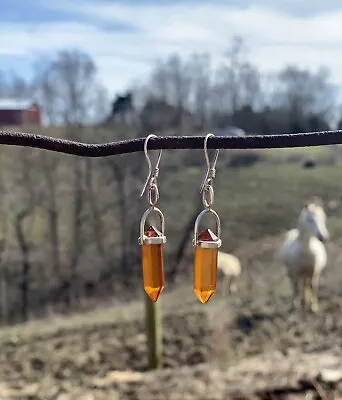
235, 348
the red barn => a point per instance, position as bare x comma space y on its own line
19, 112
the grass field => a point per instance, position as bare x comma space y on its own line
246, 346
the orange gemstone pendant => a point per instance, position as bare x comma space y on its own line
205, 266
151, 241
152, 262
206, 243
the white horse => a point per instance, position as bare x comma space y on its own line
304, 255
230, 268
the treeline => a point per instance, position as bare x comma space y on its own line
194, 93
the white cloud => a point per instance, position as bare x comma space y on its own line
274, 38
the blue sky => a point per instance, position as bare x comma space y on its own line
125, 38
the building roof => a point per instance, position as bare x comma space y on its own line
15, 104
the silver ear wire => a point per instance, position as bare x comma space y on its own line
207, 191
155, 169
153, 197
210, 168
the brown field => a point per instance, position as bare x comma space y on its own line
247, 346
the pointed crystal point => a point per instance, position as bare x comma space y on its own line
207, 236
151, 231
153, 292
204, 295
153, 265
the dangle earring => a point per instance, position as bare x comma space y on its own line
152, 239
206, 243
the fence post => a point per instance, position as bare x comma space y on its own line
154, 332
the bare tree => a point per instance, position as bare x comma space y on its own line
237, 82
25, 247
250, 86
26, 198
3, 280
171, 83
76, 242
159, 83
128, 182
201, 86
50, 164
18, 87
46, 90
68, 88
98, 234
302, 93
75, 95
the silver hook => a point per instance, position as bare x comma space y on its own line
210, 167
149, 162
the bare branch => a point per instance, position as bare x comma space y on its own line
170, 142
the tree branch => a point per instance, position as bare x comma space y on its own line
170, 142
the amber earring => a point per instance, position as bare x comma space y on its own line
206, 243
152, 239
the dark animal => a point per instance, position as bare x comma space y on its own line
309, 164
122, 106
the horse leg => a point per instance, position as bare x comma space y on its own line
223, 286
315, 286
307, 293
232, 285
295, 292
227, 285
302, 292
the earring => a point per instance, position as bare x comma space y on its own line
152, 239
206, 243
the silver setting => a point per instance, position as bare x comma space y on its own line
143, 239
207, 244
154, 240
